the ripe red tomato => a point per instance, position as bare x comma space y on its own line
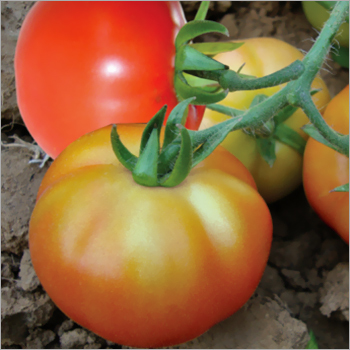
324, 169
147, 266
81, 65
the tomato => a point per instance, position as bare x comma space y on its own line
263, 56
317, 15
325, 169
82, 65
147, 266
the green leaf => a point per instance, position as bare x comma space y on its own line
177, 116
202, 11
290, 137
123, 154
314, 133
184, 90
312, 344
155, 122
195, 28
212, 49
229, 111
342, 188
188, 58
266, 148
183, 164
146, 169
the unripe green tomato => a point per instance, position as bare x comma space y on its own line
317, 15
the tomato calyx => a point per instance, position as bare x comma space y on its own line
167, 165
151, 168
198, 74
190, 58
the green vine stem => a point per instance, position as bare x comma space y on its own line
182, 149
298, 94
295, 93
232, 81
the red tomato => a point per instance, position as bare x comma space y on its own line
147, 266
324, 169
82, 65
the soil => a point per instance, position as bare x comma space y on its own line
306, 283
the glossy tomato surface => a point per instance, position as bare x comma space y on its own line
82, 65
325, 169
263, 56
142, 266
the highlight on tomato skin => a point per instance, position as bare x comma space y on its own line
74, 78
147, 266
263, 56
325, 169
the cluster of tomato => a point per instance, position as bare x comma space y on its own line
148, 266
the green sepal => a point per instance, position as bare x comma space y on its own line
312, 344
177, 116
167, 155
211, 89
342, 188
229, 111
202, 10
266, 148
198, 82
314, 133
184, 90
290, 137
155, 122
183, 163
195, 28
210, 144
123, 154
212, 49
146, 169
188, 58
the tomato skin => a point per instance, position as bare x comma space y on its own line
82, 65
141, 266
263, 56
324, 169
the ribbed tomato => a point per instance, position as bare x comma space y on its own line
147, 266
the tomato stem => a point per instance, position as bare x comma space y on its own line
232, 81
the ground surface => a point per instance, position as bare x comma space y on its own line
306, 282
